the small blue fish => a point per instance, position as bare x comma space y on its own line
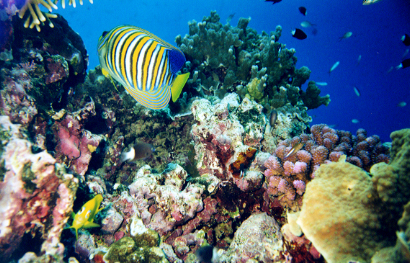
358, 60
369, 2
346, 35
334, 66
144, 64
356, 91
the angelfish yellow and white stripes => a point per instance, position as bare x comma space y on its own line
144, 64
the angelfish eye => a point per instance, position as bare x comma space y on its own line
104, 33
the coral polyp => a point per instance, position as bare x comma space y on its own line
35, 18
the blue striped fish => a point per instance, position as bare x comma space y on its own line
144, 64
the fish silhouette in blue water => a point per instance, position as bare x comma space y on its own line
303, 10
299, 34
273, 1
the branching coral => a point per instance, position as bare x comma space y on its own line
36, 17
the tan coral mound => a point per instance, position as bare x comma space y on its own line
338, 214
349, 214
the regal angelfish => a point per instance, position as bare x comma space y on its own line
144, 64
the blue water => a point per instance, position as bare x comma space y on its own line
376, 28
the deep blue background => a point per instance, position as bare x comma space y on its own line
376, 28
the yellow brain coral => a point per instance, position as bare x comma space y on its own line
338, 215
36, 17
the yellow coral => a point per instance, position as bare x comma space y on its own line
36, 17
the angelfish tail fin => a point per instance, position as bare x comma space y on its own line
178, 85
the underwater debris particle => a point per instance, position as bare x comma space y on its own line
242, 162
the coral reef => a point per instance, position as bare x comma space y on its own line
162, 199
41, 70
36, 198
75, 144
221, 58
221, 172
287, 176
361, 209
258, 238
142, 246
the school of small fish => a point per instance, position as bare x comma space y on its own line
301, 35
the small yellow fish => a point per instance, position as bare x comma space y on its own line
294, 149
85, 217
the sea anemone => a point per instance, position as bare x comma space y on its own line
36, 17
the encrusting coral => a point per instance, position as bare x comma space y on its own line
36, 198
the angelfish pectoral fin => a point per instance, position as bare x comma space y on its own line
178, 85
90, 225
105, 72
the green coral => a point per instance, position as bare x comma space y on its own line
221, 58
27, 176
311, 97
140, 249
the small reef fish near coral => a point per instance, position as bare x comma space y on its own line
138, 151
85, 217
232, 169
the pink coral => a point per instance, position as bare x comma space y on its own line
283, 185
288, 168
300, 167
319, 155
14, 100
287, 175
327, 143
304, 156
75, 144
273, 165
68, 134
300, 186
36, 196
